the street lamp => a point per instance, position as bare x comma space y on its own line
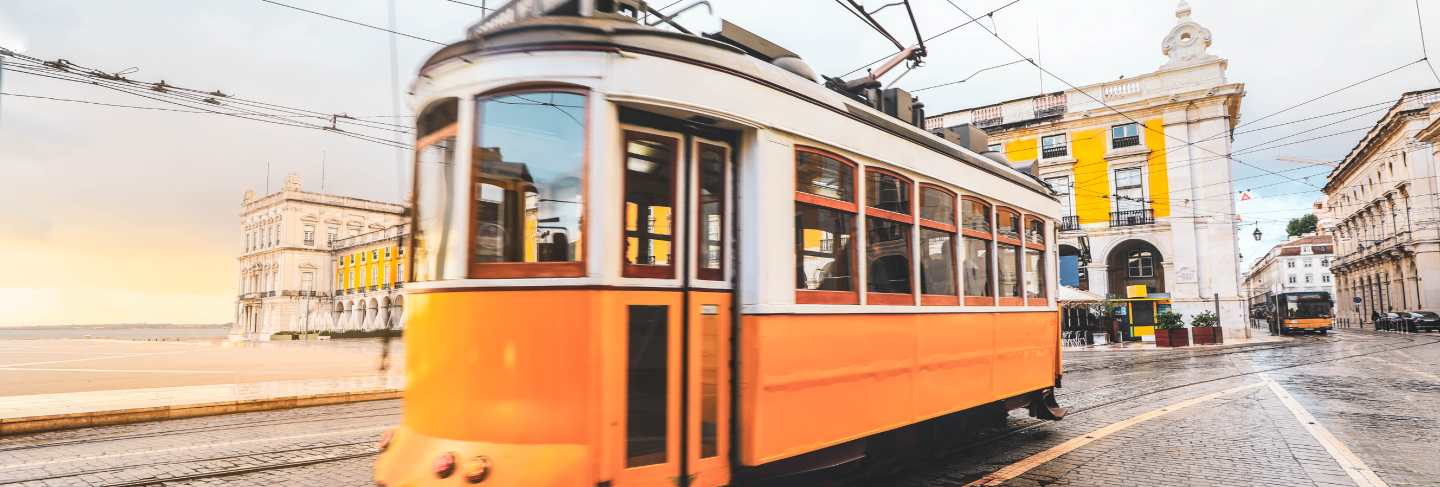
1257, 234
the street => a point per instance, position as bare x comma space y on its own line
1195, 416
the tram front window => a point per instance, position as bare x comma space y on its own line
434, 174
527, 174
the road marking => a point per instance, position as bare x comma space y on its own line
193, 447
93, 358
1018, 468
1356, 468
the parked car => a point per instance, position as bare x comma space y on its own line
1422, 321
1390, 321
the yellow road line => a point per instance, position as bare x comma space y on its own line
1018, 468
1356, 468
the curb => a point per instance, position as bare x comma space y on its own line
36, 424
1222, 346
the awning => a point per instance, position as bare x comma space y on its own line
1070, 294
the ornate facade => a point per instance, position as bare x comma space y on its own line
1298, 265
318, 262
1147, 190
1382, 209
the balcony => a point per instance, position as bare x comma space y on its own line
1069, 223
1054, 151
1129, 218
1126, 141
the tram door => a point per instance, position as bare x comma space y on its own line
692, 445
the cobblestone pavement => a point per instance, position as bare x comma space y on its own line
1375, 392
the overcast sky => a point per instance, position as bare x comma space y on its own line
119, 215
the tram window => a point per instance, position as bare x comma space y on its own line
434, 178
649, 204
975, 215
887, 256
646, 384
977, 267
821, 175
937, 262
886, 192
1009, 259
712, 212
823, 239
710, 365
1007, 223
1034, 231
527, 195
937, 205
1034, 274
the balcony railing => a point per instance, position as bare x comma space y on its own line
1126, 141
1132, 217
1054, 151
1069, 223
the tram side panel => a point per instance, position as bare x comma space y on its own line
813, 381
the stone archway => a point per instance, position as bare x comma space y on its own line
1135, 262
372, 312
397, 313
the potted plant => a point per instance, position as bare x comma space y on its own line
1205, 327
1170, 330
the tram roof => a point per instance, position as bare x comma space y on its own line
604, 33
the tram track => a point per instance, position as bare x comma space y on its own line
390, 411
219, 472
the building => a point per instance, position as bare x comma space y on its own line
318, 262
1299, 265
1147, 190
1382, 207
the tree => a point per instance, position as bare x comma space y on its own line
1301, 226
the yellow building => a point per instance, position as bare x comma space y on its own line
1140, 167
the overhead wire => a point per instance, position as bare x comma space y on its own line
362, 24
927, 39
1424, 50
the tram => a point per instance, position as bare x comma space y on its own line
647, 257
1311, 312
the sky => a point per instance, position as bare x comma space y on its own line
119, 215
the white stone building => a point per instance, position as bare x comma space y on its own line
1141, 169
1383, 209
1300, 264
293, 269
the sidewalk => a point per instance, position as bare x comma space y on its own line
1255, 340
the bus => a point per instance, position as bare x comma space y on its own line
1311, 311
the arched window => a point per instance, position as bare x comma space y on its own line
975, 221
1035, 285
937, 247
888, 221
1008, 256
825, 212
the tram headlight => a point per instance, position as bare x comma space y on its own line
477, 469
445, 465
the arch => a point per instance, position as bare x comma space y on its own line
372, 310
1135, 262
397, 314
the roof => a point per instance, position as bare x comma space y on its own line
1380, 125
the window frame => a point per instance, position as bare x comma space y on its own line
818, 296
885, 298
702, 273
465, 155
1139, 136
648, 271
1042, 247
954, 230
967, 298
1065, 144
1018, 242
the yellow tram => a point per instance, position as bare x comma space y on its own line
648, 257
